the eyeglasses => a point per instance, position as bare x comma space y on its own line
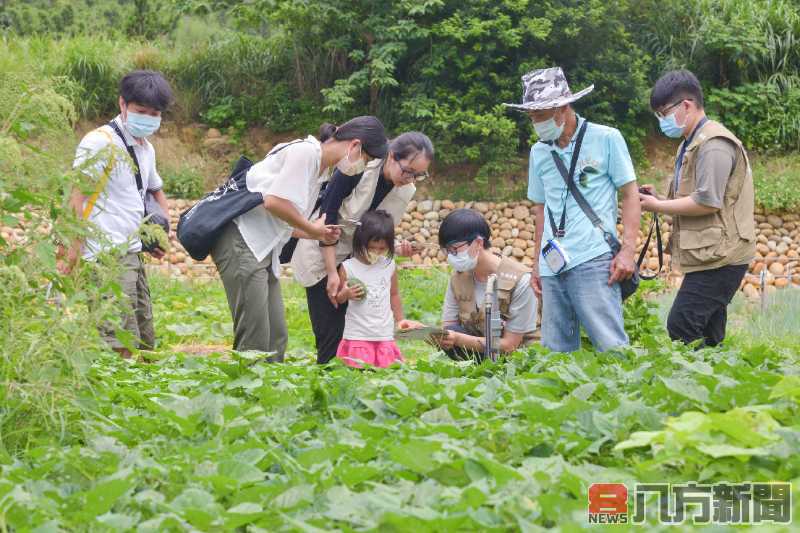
409, 174
663, 114
453, 249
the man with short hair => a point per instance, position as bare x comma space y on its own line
576, 273
711, 200
116, 208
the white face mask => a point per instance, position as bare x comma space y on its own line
375, 257
548, 130
462, 261
351, 168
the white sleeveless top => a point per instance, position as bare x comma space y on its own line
370, 319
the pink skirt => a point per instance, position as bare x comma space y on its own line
374, 353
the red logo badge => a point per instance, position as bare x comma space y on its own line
608, 503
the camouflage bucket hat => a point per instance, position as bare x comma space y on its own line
545, 89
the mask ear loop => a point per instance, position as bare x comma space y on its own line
474, 240
360, 153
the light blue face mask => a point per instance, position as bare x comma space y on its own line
141, 126
548, 130
669, 126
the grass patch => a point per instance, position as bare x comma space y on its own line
195, 313
777, 182
748, 326
778, 324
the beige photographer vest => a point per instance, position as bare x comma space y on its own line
471, 315
726, 236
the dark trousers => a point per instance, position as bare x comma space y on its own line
700, 310
327, 321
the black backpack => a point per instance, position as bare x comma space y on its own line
200, 226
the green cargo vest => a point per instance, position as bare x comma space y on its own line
471, 315
722, 238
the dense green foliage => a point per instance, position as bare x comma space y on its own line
216, 442
442, 66
46, 346
205, 439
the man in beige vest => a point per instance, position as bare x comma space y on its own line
711, 200
466, 235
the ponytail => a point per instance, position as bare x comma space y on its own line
367, 129
326, 131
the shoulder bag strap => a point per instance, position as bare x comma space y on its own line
657, 225
101, 184
129, 148
610, 238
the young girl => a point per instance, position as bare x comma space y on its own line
369, 282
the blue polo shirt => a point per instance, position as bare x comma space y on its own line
604, 151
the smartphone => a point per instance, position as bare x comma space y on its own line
642, 190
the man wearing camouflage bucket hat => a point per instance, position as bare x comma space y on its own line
577, 267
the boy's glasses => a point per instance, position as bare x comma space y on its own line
663, 113
454, 249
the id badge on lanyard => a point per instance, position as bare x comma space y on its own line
555, 256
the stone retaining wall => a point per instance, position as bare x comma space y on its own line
778, 247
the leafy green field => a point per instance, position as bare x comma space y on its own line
220, 441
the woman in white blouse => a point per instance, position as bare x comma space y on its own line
247, 253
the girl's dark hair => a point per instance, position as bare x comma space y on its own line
464, 225
676, 84
367, 129
147, 88
375, 226
407, 145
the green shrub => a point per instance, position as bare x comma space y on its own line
438, 66
445, 67
47, 346
146, 18
184, 182
96, 66
239, 80
760, 114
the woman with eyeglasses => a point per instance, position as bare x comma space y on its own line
386, 184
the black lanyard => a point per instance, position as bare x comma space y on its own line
684, 146
559, 232
137, 171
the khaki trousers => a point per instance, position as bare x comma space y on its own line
254, 295
137, 319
